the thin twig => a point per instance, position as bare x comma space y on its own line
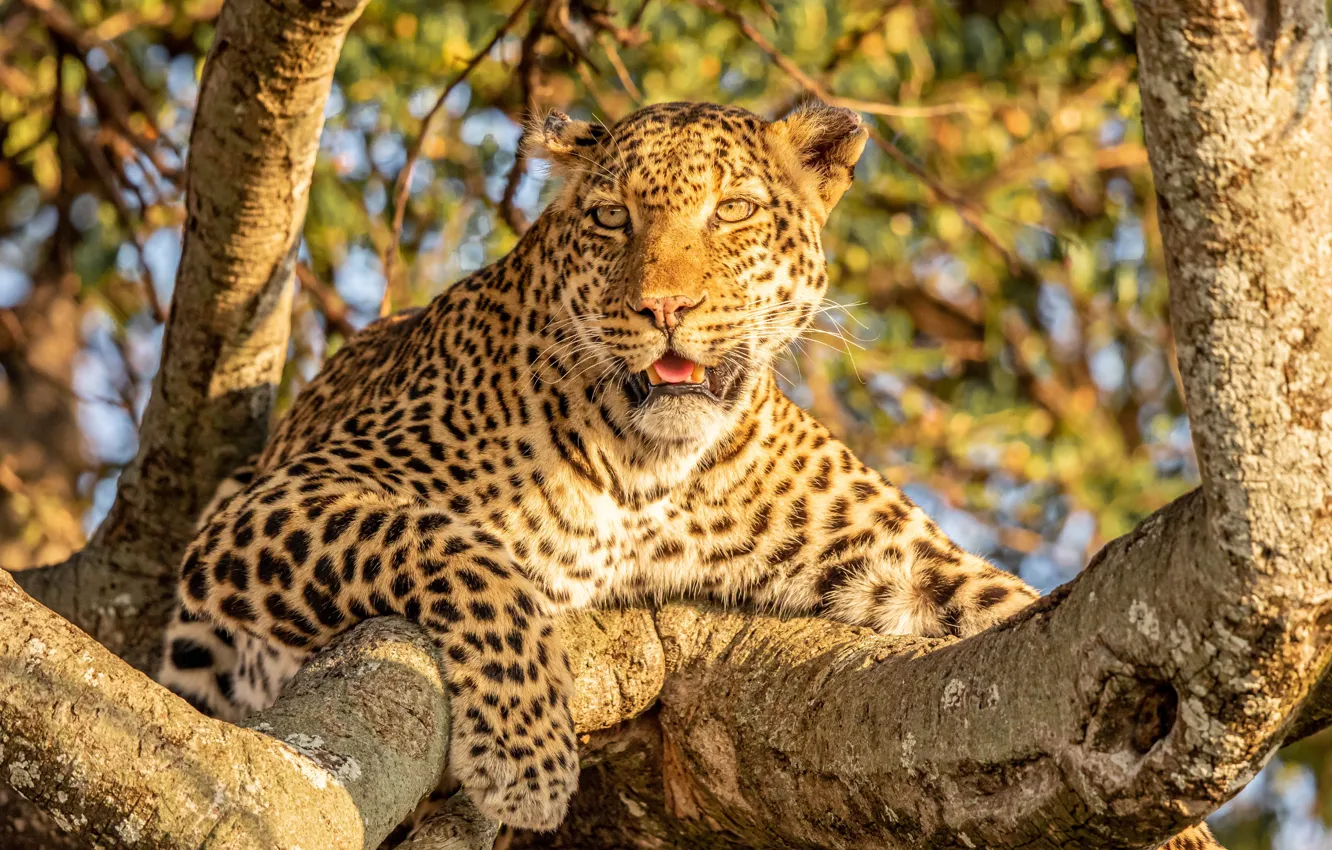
527, 71
603, 21
637, 16
630, 87
559, 23
590, 84
69, 392
404, 182
107, 177
328, 302
65, 236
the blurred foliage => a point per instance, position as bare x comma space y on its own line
1004, 351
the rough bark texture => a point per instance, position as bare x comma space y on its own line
252, 151
359, 736
458, 825
1237, 102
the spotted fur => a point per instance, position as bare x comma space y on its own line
499, 457
1196, 838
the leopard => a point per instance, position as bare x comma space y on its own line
593, 419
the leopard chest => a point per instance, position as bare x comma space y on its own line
581, 544
576, 546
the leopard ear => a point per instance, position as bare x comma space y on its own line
564, 141
827, 140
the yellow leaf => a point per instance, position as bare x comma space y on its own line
434, 147
1038, 423
46, 167
948, 224
1028, 209
901, 29
25, 132
1017, 122
856, 258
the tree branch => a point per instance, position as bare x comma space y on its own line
1112, 715
252, 152
754, 729
118, 760
1237, 106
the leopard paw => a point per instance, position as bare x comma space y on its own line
516, 777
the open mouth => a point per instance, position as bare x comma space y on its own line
675, 375
674, 370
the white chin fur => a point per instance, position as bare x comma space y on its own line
682, 421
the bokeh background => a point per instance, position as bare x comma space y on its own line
1003, 350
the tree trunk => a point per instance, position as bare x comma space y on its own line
252, 153
121, 762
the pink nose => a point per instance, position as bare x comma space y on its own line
668, 311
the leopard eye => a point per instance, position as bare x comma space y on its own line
736, 209
611, 216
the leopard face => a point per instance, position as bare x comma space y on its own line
694, 255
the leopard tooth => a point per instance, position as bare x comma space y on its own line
699, 372
653, 378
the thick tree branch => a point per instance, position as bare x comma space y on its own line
252, 152
1068, 729
122, 762
1103, 719
1237, 104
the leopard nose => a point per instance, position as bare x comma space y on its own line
667, 312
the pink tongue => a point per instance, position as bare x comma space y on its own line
675, 369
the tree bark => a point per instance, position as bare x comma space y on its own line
457, 826
1238, 123
252, 153
1122, 708
357, 738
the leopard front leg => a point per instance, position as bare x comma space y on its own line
297, 564
824, 534
881, 563
871, 557
513, 745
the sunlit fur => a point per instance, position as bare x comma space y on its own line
485, 463
758, 281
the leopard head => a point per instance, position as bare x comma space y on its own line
688, 250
